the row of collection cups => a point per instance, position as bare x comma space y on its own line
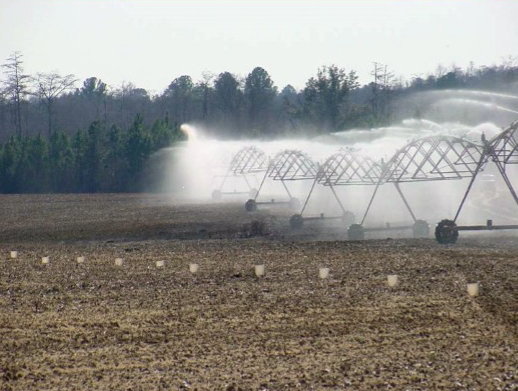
193, 267
323, 272
472, 287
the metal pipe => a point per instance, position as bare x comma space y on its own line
405, 201
477, 170
337, 199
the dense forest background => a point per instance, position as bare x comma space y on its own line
60, 134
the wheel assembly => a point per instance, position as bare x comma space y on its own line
446, 232
250, 205
296, 221
356, 232
421, 229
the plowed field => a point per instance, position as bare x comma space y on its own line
95, 325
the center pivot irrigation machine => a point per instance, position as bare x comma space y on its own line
286, 166
246, 162
435, 158
427, 159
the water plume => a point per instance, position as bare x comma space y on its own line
477, 103
477, 93
190, 132
191, 170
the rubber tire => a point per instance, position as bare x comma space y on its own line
250, 205
296, 221
445, 232
421, 229
355, 232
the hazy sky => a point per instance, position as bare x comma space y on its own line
150, 42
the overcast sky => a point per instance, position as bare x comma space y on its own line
150, 42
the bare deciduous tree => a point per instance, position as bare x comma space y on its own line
49, 86
16, 88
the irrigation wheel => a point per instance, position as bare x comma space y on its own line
250, 205
421, 229
446, 232
296, 221
356, 232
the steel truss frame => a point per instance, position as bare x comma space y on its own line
287, 165
344, 168
432, 158
502, 150
247, 161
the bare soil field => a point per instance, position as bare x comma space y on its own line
94, 325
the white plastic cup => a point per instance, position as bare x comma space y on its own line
159, 263
118, 261
45, 260
259, 270
80, 259
392, 280
323, 272
473, 289
14, 254
193, 267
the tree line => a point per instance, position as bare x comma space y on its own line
58, 137
98, 159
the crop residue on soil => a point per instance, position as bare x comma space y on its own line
93, 325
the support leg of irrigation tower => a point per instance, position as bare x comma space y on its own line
337, 199
286, 188
405, 201
224, 179
477, 170
370, 202
501, 168
246, 181
309, 195
261, 185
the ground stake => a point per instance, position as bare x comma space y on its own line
323, 272
259, 270
473, 289
392, 279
